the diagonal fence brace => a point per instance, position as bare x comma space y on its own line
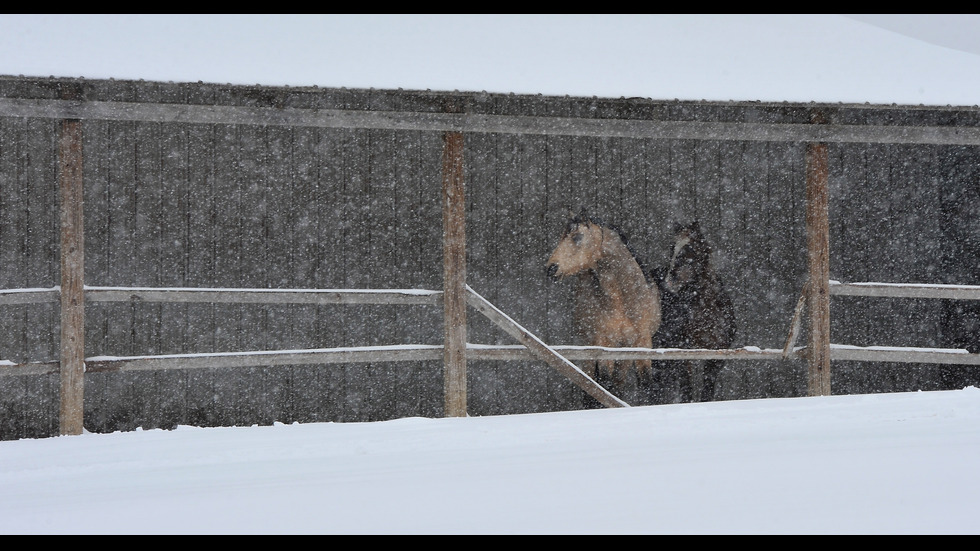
542, 351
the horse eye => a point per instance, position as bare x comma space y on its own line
577, 238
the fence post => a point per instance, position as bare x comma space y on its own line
818, 249
72, 277
454, 273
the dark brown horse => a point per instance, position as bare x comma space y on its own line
615, 304
697, 310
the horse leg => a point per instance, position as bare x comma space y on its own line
686, 376
591, 368
643, 369
644, 381
711, 370
655, 386
607, 369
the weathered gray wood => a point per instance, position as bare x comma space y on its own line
31, 368
395, 354
409, 353
903, 355
264, 296
232, 296
72, 278
457, 122
29, 296
818, 246
838, 353
266, 358
796, 323
518, 352
454, 274
542, 351
906, 290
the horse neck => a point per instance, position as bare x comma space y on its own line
705, 282
617, 268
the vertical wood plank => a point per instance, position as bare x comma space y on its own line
228, 250
481, 265
818, 245
385, 271
72, 278
304, 382
454, 274
330, 219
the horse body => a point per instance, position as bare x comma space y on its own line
698, 312
615, 304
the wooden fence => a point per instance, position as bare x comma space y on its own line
453, 125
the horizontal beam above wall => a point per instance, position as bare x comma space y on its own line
505, 124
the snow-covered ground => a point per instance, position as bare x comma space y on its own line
886, 463
895, 463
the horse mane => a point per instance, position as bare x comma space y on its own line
584, 218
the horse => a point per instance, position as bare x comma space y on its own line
616, 305
697, 310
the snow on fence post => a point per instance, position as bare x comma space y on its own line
72, 277
454, 273
818, 252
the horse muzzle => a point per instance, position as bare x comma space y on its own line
553, 272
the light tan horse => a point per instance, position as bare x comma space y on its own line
615, 304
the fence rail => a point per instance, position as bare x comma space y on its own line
906, 290
483, 352
434, 352
231, 295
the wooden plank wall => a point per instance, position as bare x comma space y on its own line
221, 205
904, 214
29, 235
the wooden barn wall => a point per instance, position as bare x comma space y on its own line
28, 258
221, 205
910, 214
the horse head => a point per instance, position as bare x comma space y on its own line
690, 257
579, 247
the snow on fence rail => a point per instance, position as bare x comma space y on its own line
230, 295
906, 290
